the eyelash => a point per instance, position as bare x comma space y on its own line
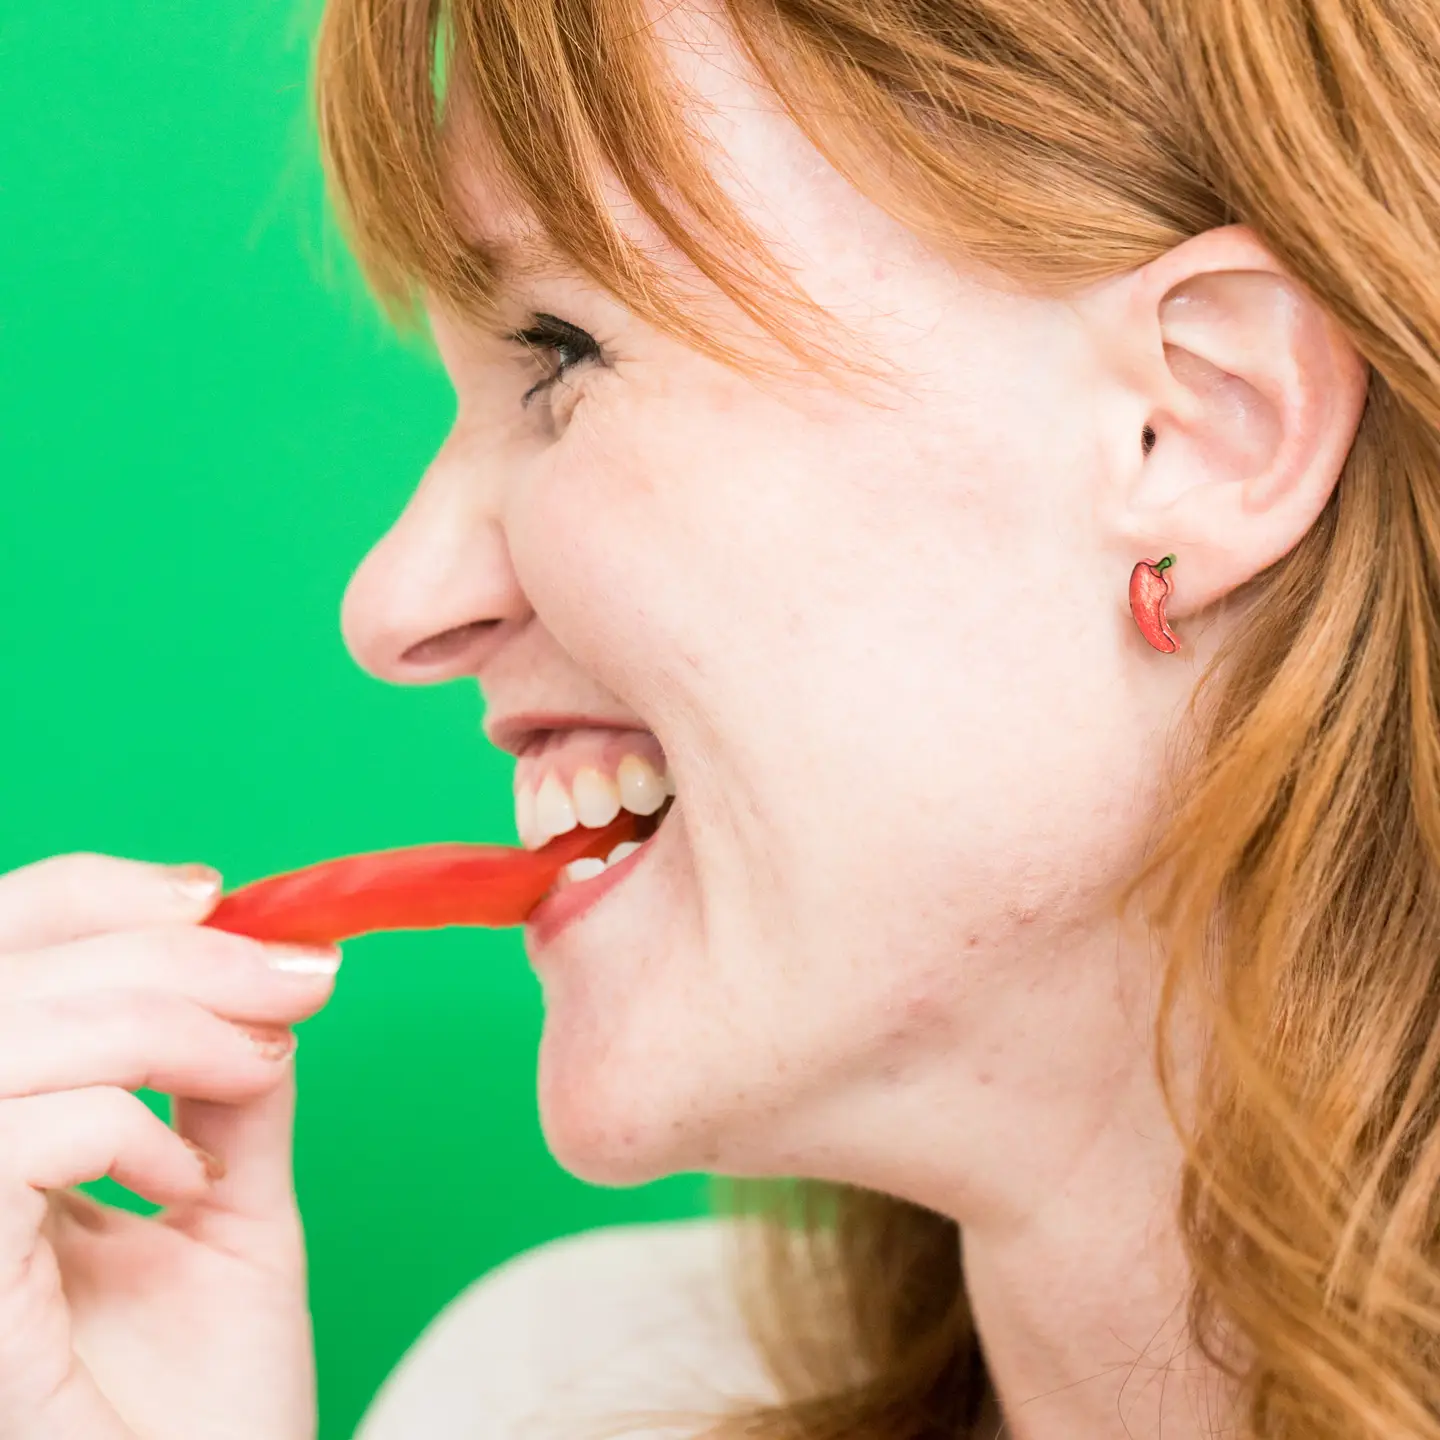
569, 344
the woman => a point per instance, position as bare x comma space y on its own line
824, 372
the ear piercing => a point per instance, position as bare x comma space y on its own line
1150, 587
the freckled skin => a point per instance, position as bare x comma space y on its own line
887, 650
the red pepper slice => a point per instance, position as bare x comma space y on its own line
421, 887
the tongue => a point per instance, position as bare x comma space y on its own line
422, 887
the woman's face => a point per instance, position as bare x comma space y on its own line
880, 638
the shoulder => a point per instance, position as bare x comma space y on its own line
559, 1339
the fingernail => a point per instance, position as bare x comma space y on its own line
268, 1043
196, 883
214, 1166
303, 959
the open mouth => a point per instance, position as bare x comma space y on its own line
578, 871
584, 778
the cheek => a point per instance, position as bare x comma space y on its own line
627, 534
580, 533
889, 634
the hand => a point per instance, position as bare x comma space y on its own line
192, 1324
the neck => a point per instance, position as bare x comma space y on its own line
1078, 1284
1081, 1315
1036, 1122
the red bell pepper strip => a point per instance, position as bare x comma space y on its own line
1150, 587
422, 887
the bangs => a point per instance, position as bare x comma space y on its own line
572, 102
984, 146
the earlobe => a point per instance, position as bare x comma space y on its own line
1253, 394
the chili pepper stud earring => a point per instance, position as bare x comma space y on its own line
1150, 587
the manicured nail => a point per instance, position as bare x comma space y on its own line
196, 883
268, 1044
303, 959
214, 1166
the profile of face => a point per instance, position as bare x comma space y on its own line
878, 635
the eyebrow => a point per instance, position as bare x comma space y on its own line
515, 257
520, 256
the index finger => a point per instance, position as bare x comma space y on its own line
69, 897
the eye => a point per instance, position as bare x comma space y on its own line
565, 346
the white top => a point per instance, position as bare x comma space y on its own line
564, 1339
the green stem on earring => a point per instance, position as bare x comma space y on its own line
1165, 564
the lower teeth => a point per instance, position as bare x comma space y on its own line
589, 867
586, 869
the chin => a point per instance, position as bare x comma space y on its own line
609, 1120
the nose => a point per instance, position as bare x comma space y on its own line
437, 595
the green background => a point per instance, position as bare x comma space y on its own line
204, 425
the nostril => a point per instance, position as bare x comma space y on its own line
444, 647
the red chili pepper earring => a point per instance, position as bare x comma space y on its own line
1150, 587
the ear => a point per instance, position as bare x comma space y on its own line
1254, 394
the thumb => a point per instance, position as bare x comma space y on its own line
254, 1141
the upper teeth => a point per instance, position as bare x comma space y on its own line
554, 810
597, 801
592, 799
641, 789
